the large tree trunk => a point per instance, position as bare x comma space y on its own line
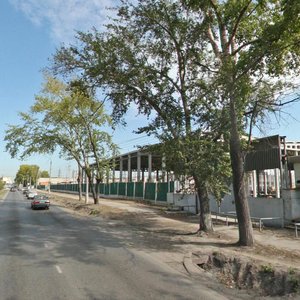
98, 182
239, 188
94, 193
79, 180
205, 223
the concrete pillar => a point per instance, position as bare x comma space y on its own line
149, 167
138, 166
163, 167
114, 171
129, 169
254, 183
265, 183
121, 169
277, 183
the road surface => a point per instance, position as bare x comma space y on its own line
53, 254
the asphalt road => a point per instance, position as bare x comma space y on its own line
52, 254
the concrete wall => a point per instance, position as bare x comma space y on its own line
260, 207
292, 204
227, 204
186, 201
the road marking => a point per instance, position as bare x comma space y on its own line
58, 269
46, 245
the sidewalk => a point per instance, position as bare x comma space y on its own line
274, 245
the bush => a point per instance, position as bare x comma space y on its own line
2, 184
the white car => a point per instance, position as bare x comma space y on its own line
31, 194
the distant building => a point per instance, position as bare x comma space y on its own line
293, 148
7, 180
54, 180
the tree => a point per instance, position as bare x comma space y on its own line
27, 175
67, 117
252, 46
147, 58
44, 174
2, 184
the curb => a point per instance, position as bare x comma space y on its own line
190, 267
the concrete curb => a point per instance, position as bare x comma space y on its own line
190, 267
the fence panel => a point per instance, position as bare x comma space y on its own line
113, 188
106, 189
139, 189
122, 188
130, 189
150, 189
162, 190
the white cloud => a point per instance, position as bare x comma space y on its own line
64, 17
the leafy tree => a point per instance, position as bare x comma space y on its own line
44, 174
147, 57
27, 175
67, 117
2, 184
251, 48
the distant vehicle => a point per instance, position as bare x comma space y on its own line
40, 201
13, 189
31, 194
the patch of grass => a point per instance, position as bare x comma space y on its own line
295, 283
294, 279
94, 212
291, 271
267, 269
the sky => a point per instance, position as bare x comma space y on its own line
31, 31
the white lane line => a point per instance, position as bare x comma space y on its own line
58, 269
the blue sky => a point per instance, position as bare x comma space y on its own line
30, 32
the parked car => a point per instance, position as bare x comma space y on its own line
40, 201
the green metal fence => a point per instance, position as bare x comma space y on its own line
122, 188
153, 191
130, 189
139, 190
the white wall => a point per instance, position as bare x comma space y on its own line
287, 207
186, 201
293, 203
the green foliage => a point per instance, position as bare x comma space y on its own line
295, 283
27, 174
294, 279
2, 185
67, 117
267, 269
291, 271
148, 56
44, 174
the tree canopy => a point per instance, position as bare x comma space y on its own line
65, 117
27, 175
147, 57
